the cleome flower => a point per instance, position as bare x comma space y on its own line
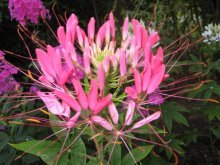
105, 66
90, 80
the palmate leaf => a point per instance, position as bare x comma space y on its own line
116, 154
78, 153
216, 132
176, 145
56, 129
171, 112
139, 153
212, 112
46, 150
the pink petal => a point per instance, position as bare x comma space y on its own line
138, 37
144, 37
130, 112
107, 33
70, 33
101, 35
125, 29
86, 61
71, 51
101, 77
113, 113
159, 58
137, 32
146, 76
91, 29
112, 25
102, 122
68, 100
79, 36
61, 36
106, 63
71, 24
114, 61
131, 92
147, 120
147, 53
66, 108
73, 120
45, 64
55, 59
156, 80
153, 38
81, 95
123, 67
45, 80
135, 24
135, 57
68, 60
53, 105
137, 81
71, 20
65, 74
92, 95
101, 104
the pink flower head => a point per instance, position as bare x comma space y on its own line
27, 10
103, 67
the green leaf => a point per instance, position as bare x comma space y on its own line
171, 111
138, 153
46, 150
93, 162
180, 118
4, 138
78, 153
216, 132
190, 136
175, 144
55, 119
213, 112
56, 129
216, 89
116, 154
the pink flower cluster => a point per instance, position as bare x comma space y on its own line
7, 82
27, 10
132, 67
